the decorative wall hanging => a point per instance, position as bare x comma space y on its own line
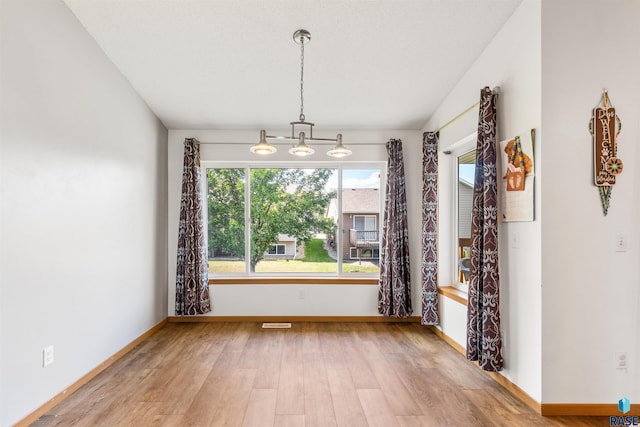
515, 168
517, 178
606, 164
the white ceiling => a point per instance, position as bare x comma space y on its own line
232, 64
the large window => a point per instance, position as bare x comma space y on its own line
293, 221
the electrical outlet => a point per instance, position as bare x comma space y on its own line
621, 243
621, 360
300, 293
47, 356
515, 240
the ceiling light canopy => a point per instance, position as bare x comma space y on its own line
301, 148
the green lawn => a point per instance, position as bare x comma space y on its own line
316, 260
314, 251
290, 266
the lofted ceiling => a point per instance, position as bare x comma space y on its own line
232, 64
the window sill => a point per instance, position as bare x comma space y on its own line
293, 281
454, 293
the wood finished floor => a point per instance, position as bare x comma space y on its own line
314, 374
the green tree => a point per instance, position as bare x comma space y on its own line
283, 201
225, 198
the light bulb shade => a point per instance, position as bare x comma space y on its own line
339, 150
301, 149
263, 147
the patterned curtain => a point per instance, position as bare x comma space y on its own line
484, 343
192, 281
430, 228
394, 291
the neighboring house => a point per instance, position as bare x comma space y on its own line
465, 207
286, 248
361, 224
465, 202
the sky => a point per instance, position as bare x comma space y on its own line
467, 172
356, 178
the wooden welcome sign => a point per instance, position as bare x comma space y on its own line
606, 164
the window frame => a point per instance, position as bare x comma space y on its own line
458, 149
276, 246
365, 221
339, 166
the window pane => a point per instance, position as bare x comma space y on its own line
290, 208
466, 171
225, 204
370, 223
360, 250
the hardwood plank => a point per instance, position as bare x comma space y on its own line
318, 405
232, 405
327, 338
495, 411
417, 421
144, 414
346, 404
388, 341
418, 342
239, 335
262, 408
205, 405
442, 400
291, 382
397, 395
427, 393
310, 338
285, 420
357, 364
263, 352
376, 408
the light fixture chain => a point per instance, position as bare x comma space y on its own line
302, 79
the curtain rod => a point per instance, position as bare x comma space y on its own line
495, 91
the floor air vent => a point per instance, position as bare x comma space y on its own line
276, 326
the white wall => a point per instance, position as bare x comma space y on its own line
320, 300
590, 296
83, 220
511, 61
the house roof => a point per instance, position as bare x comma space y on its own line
285, 238
361, 200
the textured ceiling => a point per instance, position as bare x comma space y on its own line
232, 64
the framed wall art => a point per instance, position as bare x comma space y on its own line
517, 175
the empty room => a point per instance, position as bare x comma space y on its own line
319, 212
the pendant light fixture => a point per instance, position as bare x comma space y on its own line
301, 148
339, 150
